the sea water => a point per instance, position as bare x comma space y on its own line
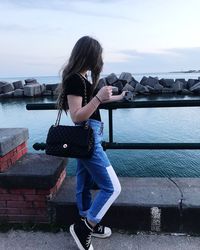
130, 125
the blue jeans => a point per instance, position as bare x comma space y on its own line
99, 170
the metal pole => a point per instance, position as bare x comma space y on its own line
161, 146
110, 120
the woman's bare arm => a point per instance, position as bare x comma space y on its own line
79, 113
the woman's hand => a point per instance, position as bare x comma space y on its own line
105, 93
123, 94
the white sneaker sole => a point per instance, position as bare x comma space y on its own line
107, 233
71, 229
102, 236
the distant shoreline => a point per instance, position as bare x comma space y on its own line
2, 78
187, 71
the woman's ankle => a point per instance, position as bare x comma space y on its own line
92, 224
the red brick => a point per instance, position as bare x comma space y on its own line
21, 146
5, 157
20, 204
35, 211
27, 218
3, 166
11, 157
3, 191
11, 197
13, 211
41, 211
54, 189
3, 217
3, 211
24, 150
39, 204
2, 204
9, 162
14, 158
29, 211
14, 151
20, 218
35, 197
41, 191
22, 191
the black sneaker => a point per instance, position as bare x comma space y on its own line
100, 231
82, 233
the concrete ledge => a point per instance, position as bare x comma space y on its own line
10, 138
33, 171
145, 192
133, 208
190, 188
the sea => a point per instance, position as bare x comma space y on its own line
180, 124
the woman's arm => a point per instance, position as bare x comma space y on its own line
79, 113
115, 98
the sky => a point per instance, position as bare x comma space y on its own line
37, 36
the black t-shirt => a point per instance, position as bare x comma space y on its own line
74, 86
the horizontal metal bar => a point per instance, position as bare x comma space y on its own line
123, 105
107, 145
41, 106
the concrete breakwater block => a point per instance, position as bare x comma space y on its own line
7, 95
7, 88
195, 88
141, 88
191, 82
167, 83
18, 92
128, 87
51, 87
126, 76
102, 82
32, 90
151, 81
146, 86
178, 86
183, 81
30, 81
111, 78
18, 85
118, 84
47, 93
2, 83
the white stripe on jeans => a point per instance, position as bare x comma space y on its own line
115, 194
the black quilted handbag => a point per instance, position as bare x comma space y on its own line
70, 141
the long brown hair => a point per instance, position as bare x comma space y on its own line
86, 55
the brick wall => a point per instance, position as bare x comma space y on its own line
27, 205
10, 158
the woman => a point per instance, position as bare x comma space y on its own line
87, 56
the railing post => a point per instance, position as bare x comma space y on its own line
110, 120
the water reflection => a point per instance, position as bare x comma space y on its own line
130, 125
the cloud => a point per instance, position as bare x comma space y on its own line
22, 28
76, 6
165, 60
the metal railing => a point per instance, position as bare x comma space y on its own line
136, 104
